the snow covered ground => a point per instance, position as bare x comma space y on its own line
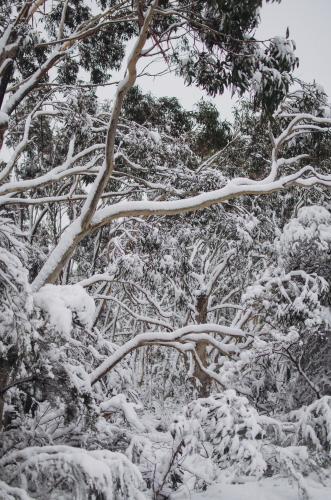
266, 489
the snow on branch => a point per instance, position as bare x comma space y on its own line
119, 402
60, 303
54, 175
138, 317
191, 334
123, 87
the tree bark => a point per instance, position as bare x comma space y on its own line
4, 377
203, 380
7, 365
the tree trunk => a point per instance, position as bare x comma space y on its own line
203, 380
5, 370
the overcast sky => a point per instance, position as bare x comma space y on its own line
309, 22
310, 26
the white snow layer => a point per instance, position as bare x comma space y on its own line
61, 302
268, 488
311, 223
119, 402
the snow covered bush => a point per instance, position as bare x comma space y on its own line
305, 242
313, 425
16, 329
234, 430
244, 443
65, 472
288, 362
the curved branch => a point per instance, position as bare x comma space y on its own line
75, 233
191, 333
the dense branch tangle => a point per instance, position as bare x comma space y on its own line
98, 161
13, 38
306, 176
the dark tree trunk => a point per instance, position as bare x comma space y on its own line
203, 380
5, 370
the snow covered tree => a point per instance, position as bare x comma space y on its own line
109, 263
45, 45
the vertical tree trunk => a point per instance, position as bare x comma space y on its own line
203, 381
8, 366
5, 370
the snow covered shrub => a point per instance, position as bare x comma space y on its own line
46, 356
65, 472
15, 309
235, 431
171, 458
49, 401
159, 462
242, 442
305, 242
289, 361
313, 425
294, 463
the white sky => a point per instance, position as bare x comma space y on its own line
309, 22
